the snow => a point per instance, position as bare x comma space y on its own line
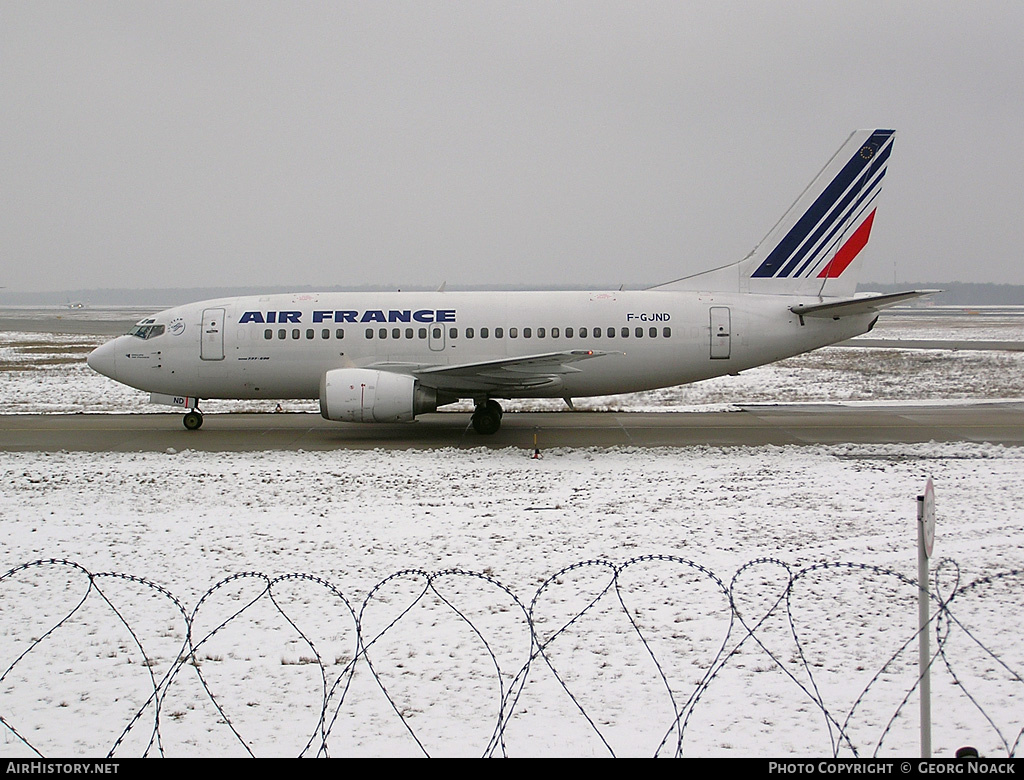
641, 572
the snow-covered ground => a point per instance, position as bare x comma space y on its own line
592, 602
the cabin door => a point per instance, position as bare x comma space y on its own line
211, 347
721, 333
436, 338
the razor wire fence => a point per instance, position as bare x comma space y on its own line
654, 656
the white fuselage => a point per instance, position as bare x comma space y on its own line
281, 346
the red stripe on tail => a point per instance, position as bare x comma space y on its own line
849, 251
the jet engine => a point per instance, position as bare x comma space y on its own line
365, 395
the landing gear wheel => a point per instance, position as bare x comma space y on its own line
487, 418
486, 422
193, 420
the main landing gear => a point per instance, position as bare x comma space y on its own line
193, 420
487, 417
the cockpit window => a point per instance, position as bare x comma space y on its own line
146, 331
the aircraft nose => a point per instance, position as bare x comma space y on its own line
101, 359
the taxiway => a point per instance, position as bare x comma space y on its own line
753, 425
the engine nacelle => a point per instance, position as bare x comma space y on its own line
365, 395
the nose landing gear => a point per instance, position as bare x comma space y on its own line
193, 420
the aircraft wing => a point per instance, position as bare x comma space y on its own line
517, 373
862, 305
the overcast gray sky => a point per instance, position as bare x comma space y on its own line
180, 144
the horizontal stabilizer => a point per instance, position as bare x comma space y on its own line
862, 305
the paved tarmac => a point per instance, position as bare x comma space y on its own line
96, 322
996, 422
952, 345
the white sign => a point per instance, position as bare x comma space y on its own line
928, 517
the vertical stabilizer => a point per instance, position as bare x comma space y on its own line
815, 248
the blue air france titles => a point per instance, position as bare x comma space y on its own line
349, 315
295, 317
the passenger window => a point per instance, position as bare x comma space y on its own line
282, 333
295, 333
382, 333
554, 333
453, 333
422, 333
625, 332
639, 333
499, 333
666, 332
408, 333
325, 333
436, 333
339, 333
611, 333
396, 333
268, 334
653, 333
527, 333
369, 333
309, 333
540, 333
484, 333
513, 333
469, 333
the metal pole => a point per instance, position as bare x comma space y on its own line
924, 654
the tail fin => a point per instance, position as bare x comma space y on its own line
814, 248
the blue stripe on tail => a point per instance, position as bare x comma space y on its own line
832, 209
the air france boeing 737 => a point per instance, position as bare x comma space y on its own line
386, 357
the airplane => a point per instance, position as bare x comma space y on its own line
386, 357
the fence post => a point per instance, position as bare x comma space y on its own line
925, 544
